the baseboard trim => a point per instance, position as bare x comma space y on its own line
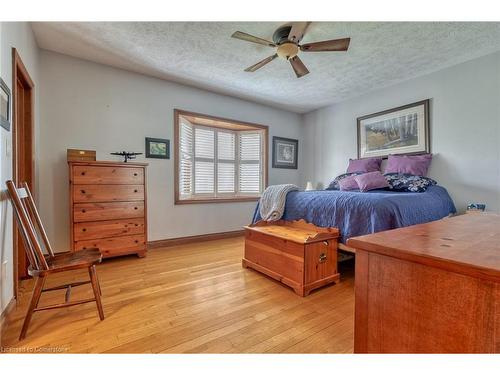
4, 317
190, 239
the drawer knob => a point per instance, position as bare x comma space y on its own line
83, 173
83, 191
135, 208
84, 248
84, 229
322, 258
135, 174
136, 241
83, 211
135, 190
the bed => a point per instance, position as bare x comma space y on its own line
355, 213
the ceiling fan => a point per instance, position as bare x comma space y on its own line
287, 38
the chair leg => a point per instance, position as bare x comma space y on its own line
97, 294
35, 298
98, 284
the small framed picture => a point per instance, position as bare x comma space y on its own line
402, 130
285, 152
157, 148
4, 105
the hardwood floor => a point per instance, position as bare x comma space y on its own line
190, 299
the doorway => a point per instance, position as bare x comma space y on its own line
23, 138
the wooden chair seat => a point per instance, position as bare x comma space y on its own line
69, 261
41, 264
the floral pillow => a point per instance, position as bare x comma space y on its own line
334, 185
407, 182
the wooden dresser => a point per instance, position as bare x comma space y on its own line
429, 288
108, 207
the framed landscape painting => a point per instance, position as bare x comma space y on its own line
285, 152
401, 130
157, 148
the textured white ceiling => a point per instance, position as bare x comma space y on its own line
202, 54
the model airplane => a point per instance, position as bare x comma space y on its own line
127, 155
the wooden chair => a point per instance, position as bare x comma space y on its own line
31, 229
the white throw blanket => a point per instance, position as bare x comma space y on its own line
272, 202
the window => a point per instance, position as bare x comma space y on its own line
218, 160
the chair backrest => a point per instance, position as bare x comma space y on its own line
29, 225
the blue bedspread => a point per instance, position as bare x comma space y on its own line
356, 213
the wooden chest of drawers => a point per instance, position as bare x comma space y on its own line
108, 207
296, 253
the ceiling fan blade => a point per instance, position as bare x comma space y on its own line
251, 38
297, 32
327, 45
298, 66
260, 64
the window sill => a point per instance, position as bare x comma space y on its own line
216, 200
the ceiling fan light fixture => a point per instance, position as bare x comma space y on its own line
287, 41
287, 50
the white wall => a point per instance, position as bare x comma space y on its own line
91, 106
465, 130
20, 36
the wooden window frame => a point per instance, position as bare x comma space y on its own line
223, 123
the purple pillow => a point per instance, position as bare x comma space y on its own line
348, 183
371, 180
364, 165
416, 165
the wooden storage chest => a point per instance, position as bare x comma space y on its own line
297, 253
108, 207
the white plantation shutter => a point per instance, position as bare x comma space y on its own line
226, 162
186, 159
249, 146
250, 178
204, 143
226, 178
204, 177
219, 163
250, 156
226, 146
204, 160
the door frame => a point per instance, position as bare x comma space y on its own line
20, 72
